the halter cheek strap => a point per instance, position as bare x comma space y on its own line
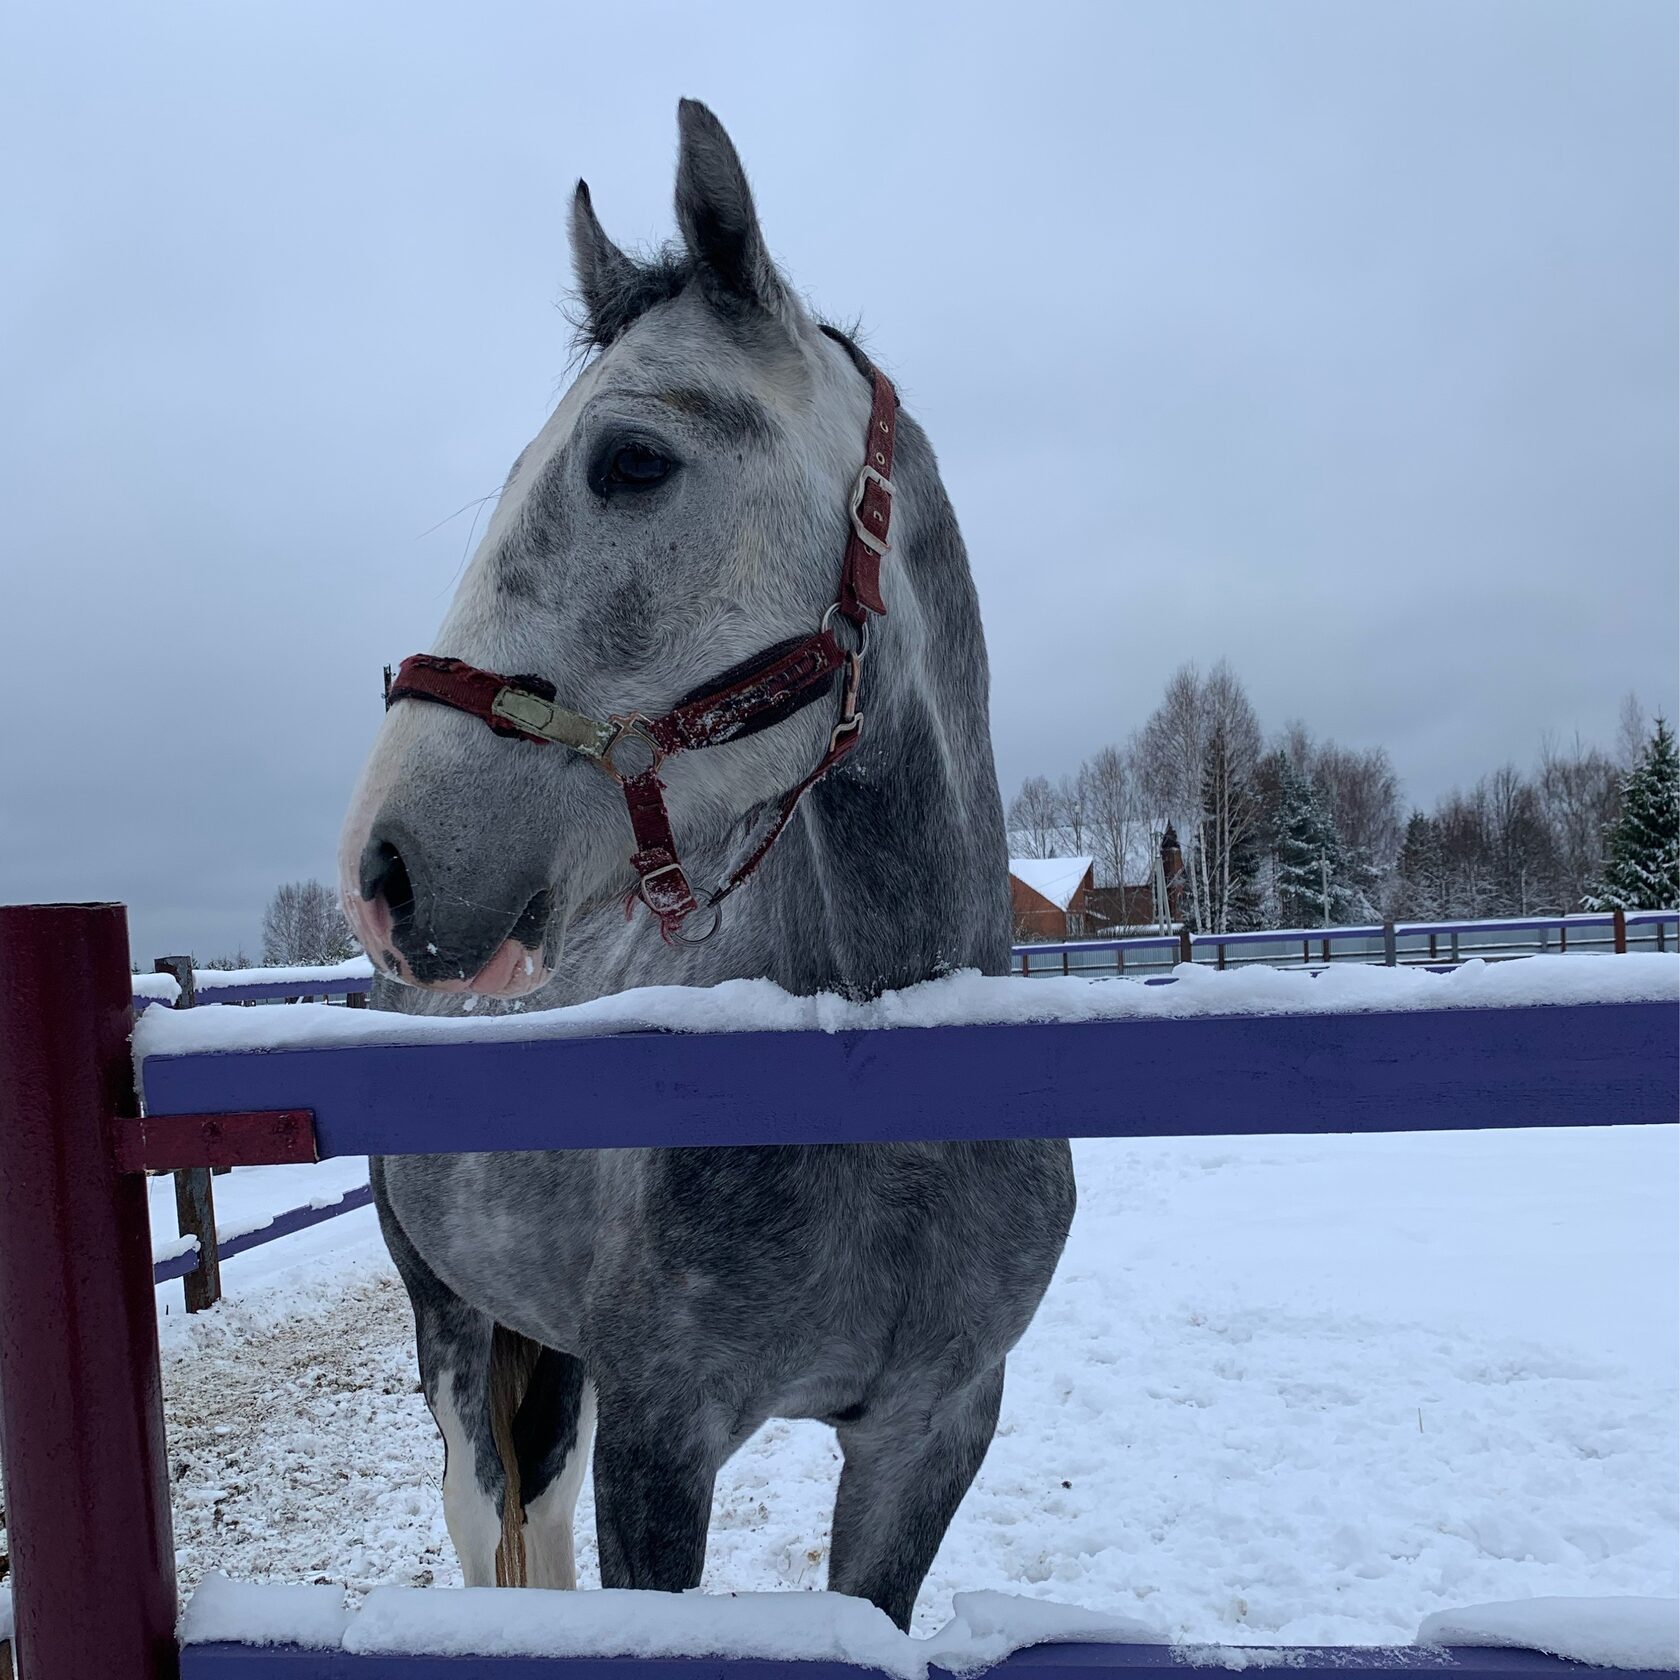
764, 691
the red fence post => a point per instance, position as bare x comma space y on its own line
81, 1406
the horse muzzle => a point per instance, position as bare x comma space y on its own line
419, 930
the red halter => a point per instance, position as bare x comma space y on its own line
753, 696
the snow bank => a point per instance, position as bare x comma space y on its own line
961, 999
1612, 1632
1638, 1633
164, 988
5, 1614
487, 1622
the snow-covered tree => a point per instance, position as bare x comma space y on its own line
1310, 868
304, 926
1642, 870
1419, 891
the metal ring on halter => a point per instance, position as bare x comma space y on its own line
862, 629
632, 726
714, 910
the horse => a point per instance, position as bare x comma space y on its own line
727, 536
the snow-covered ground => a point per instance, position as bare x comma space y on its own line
1282, 1390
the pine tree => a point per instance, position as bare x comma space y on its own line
1419, 892
1642, 871
1310, 862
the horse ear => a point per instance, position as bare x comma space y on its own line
606, 278
715, 210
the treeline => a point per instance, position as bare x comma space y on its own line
1300, 831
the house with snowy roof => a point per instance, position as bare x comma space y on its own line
1047, 896
1065, 897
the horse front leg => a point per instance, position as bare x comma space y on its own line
653, 1494
907, 1467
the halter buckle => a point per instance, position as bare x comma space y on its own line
867, 475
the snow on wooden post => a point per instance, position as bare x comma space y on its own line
81, 1405
1618, 923
195, 1202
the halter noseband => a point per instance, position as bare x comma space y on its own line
752, 696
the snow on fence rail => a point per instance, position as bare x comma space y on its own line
1548, 1042
1428, 943
1409, 943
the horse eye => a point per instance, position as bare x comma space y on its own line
636, 467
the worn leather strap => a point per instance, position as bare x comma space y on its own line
871, 509
751, 701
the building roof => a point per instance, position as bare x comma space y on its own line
1056, 879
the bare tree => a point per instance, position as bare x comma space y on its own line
1113, 811
1580, 794
1034, 818
1228, 840
1070, 814
1173, 764
1630, 732
304, 926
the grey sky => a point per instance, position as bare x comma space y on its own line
1336, 339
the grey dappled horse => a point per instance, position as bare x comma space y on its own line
684, 510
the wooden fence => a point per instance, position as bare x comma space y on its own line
81, 1424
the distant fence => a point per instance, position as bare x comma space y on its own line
1411, 944
176, 984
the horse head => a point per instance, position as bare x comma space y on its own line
681, 518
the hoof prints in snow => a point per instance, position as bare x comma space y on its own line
1280, 1390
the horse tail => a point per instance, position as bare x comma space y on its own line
512, 1360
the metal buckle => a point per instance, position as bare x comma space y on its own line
637, 727
846, 726
876, 545
653, 875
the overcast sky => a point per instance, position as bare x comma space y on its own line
1337, 339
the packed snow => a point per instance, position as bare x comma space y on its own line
1282, 1391
985, 1627
960, 999
1615, 1633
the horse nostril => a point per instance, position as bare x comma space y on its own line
533, 920
385, 875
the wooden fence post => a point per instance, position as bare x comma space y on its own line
1391, 955
1186, 953
81, 1397
195, 1201
1618, 921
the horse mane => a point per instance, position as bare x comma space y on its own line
660, 276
